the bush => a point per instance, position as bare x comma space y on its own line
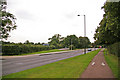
72, 46
15, 49
114, 49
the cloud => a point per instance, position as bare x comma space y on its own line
11, 3
26, 15
44, 18
69, 16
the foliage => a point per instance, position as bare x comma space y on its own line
114, 49
108, 31
72, 47
55, 40
7, 21
16, 49
28, 42
70, 40
83, 42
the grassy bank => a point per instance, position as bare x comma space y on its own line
68, 68
112, 61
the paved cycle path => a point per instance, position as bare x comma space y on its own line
98, 68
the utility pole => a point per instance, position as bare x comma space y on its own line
71, 44
84, 31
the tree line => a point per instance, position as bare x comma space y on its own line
108, 31
71, 41
55, 42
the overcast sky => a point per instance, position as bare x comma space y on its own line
38, 20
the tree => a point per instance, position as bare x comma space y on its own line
55, 40
27, 42
7, 21
38, 43
83, 42
71, 40
108, 30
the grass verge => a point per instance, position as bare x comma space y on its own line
67, 68
112, 61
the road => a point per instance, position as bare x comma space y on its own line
12, 65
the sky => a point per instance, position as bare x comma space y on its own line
38, 20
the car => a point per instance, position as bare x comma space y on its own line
89, 49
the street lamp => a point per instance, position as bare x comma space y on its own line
84, 31
71, 44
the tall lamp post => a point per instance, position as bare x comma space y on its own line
71, 44
84, 31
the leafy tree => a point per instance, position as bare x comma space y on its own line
27, 42
37, 43
83, 42
7, 21
108, 30
55, 40
71, 40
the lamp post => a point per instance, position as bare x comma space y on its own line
71, 44
84, 31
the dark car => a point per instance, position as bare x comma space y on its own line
89, 49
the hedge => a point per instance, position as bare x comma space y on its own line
114, 49
23, 49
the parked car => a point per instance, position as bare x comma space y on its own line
89, 49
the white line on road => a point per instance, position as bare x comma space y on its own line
103, 64
93, 63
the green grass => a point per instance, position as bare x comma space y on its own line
67, 68
112, 61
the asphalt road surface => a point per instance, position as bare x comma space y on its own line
12, 65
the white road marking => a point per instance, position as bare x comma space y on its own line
93, 63
103, 64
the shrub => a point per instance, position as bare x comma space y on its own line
15, 49
114, 48
72, 46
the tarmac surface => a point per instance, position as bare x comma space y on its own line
19, 63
